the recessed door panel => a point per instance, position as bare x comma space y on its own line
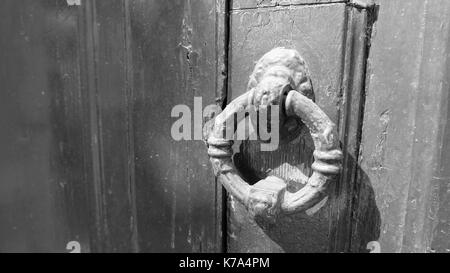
318, 33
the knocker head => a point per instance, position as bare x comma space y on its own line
278, 68
279, 71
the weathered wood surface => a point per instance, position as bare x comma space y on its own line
87, 152
405, 133
107, 88
43, 198
251, 4
253, 33
359, 24
175, 54
152, 194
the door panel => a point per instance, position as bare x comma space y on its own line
253, 33
175, 56
332, 38
405, 134
152, 193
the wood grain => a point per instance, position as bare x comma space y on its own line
43, 196
252, 4
176, 57
405, 127
88, 154
359, 23
107, 95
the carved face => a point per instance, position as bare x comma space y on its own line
277, 72
268, 91
285, 64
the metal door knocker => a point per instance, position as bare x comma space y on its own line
280, 78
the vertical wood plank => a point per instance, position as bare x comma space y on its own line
177, 56
43, 194
403, 134
109, 95
358, 35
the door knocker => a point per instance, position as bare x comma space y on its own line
280, 78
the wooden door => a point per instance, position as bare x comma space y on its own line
87, 155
